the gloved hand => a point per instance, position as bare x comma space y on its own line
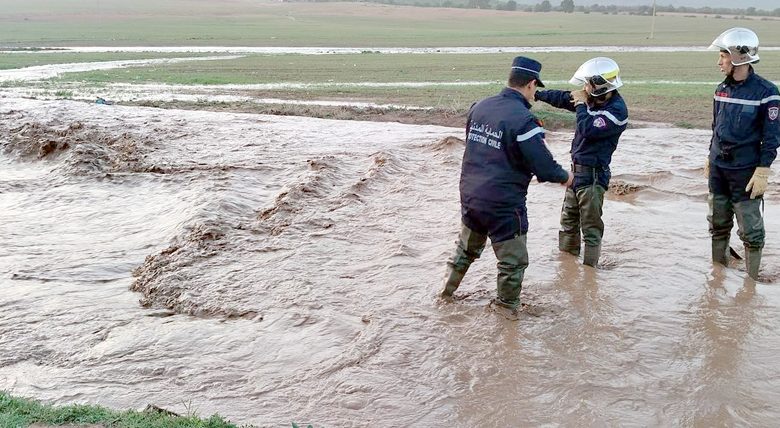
758, 183
579, 97
707, 168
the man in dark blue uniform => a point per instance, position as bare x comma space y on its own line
602, 117
745, 137
505, 148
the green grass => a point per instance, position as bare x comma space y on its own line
648, 97
249, 22
19, 412
30, 59
557, 66
267, 23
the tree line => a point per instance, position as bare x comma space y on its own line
568, 6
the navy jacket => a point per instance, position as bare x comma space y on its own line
745, 123
598, 128
505, 148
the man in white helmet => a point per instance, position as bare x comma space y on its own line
602, 116
745, 137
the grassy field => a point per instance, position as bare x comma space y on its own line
20, 413
30, 59
266, 23
258, 23
371, 67
650, 97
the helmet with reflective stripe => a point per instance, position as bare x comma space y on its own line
602, 73
740, 43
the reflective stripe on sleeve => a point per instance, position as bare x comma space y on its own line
608, 115
529, 134
747, 102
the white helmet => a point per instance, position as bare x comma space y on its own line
602, 73
740, 43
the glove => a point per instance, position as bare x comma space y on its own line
707, 168
579, 97
758, 183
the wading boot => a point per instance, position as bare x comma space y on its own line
452, 280
469, 247
591, 255
512, 258
569, 242
752, 261
720, 251
508, 311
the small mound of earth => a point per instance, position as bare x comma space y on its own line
621, 188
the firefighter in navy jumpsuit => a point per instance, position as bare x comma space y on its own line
745, 137
505, 148
602, 117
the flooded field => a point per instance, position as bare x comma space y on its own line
278, 269
356, 50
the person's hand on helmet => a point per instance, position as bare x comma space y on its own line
758, 183
579, 97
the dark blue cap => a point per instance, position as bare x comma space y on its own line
529, 67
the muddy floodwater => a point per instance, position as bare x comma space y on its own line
284, 269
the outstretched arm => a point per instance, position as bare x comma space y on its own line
560, 99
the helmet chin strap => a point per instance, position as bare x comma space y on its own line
601, 99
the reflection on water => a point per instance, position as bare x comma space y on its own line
278, 269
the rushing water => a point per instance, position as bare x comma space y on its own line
279, 269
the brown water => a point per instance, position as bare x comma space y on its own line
287, 268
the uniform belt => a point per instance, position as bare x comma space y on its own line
586, 169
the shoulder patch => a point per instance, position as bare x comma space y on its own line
772, 113
599, 122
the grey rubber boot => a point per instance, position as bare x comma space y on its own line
591, 255
720, 251
752, 261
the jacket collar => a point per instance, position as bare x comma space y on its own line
511, 93
730, 81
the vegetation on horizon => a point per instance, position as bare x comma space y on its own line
42, 23
569, 6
